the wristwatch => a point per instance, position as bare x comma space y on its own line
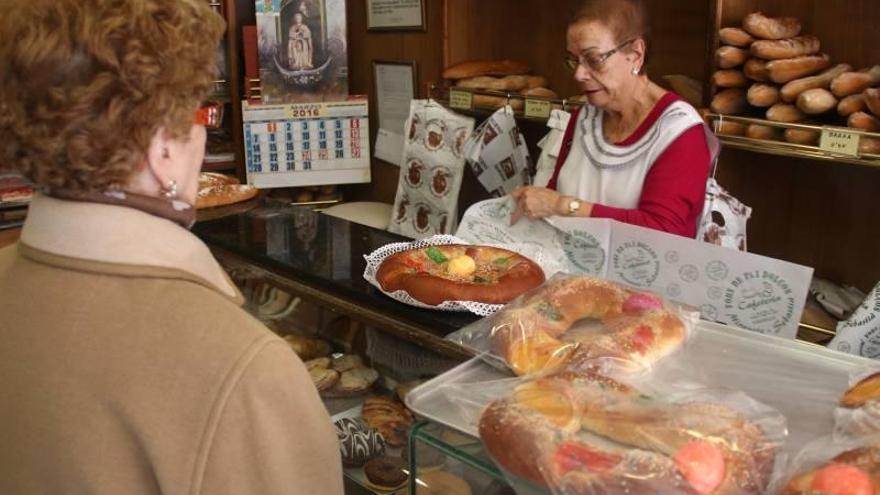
573, 206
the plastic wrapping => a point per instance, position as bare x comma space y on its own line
858, 412
375, 259
833, 466
572, 320
599, 432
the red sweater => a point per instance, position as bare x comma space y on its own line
675, 187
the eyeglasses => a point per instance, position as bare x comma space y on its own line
210, 114
593, 61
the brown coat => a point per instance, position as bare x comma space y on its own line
128, 367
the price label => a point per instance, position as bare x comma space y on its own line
839, 142
460, 99
305, 111
539, 109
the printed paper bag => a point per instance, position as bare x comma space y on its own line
498, 155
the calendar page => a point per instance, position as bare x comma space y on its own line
307, 144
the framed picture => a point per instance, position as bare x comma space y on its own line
394, 86
395, 15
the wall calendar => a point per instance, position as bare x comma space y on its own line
306, 144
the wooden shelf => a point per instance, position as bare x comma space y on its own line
783, 148
219, 166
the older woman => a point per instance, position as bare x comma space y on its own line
127, 364
635, 153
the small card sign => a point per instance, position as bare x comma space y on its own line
461, 100
839, 142
539, 109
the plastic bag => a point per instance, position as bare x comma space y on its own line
571, 320
833, 466
858, 411
591, 433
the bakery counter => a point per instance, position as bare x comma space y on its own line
321, 259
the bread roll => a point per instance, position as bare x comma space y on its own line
771, 28
496, 102
792, 89
850, 83
536, 82
735, 37
864, 121
872, 100
801, 136
756, 70
758, 131
815, 101
762, 95
541, 93
869, 145
730, 101
789, 69
730, 56
788, 48
485, 68
730, 78
730, 128
785, 112
851, 104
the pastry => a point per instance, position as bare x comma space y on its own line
357, 442
346, 362
441, 483
322, 362
307, 347
389, 417
356, 380
224, 194
323, 378
386, 473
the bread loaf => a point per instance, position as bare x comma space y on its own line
730, 128
485, 68
872, 100
864, 121
758, 131
756, 70
815, 101
788, 48
762, 95
869, 145
729, 101
730, 78
496, 102
785, 112
771, 28
730, 56
801, 136
735, 37
536, 82
850, 83
789, 69
851, 104
792, 89
541, 93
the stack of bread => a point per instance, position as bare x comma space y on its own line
508, 76
770, 66
220, 189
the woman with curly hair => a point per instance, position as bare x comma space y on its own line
127, 363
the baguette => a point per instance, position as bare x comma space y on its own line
730, 56
864, 121
536, 82
869, 145
762, 95
872, 100
850, 83
788, 48
792, 89
496, 102
756, 70
758, 131
789, 69
729, 101
730, 78
541, 93
482, 82
785, 112
730, 128
476, 68
815, 101
735, 37
771, 28
851, 104
801, 136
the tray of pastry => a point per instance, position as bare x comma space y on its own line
803, 381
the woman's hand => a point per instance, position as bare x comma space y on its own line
535, 202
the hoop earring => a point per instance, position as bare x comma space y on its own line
170, 192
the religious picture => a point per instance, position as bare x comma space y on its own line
303, 52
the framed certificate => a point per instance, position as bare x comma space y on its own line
395, 15
395, 86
